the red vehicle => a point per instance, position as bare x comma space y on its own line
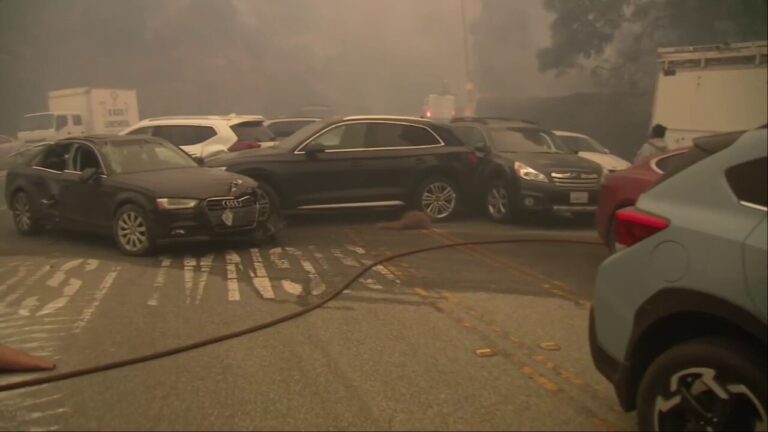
622, 188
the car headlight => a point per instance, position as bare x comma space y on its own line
176, 203
524, 171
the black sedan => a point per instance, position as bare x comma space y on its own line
359, 162
142, 190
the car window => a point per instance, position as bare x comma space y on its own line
748, 181
82, 157
254, 131
343, 137
55, 157
61, 122
665, 162
471, 136
283, 129
703, 147
386, 135
141, 131
126, 157
77, 120
524, 140
184, 135
36, 122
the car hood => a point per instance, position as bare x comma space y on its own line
198, 183
547, 163
607, 161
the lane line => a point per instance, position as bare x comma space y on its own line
165, 263
190, 263
233, 285
206, 262
260, 279
100, 293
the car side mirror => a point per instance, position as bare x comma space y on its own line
314, 148
88, 174
480, 147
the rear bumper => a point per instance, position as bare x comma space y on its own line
615, 371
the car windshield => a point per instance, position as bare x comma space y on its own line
128, 157
579, 143
525, 140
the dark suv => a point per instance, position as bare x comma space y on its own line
357, 162
524, 167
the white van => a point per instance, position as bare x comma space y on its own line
48, 126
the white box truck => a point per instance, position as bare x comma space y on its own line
703, 90
78, 111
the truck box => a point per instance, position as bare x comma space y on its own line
703, 90
102, 110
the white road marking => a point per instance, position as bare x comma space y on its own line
68, 292
24, 286
316, 285
39, 344
27, 305
320, 258
206, 263
91, 264
383, 271
292, 288
103, 288
189, 276
276, 256
20, 273
357, 249
33, 336
260, 280
371, 283
165, 262
35, 415
60, 275
348, 261
27, 402
19, 331
233, 285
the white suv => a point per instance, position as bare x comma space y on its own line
207, 136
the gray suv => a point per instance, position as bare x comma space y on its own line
678, 321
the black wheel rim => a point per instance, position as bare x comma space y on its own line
498, 202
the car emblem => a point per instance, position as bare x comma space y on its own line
234, 184
231, 204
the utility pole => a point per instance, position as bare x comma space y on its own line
469, 85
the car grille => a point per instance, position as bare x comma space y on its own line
574, 179
244, 212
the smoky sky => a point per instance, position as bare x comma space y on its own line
262, 56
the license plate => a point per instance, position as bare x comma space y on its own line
228, 217
579, 197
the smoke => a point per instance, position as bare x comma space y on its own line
267, 56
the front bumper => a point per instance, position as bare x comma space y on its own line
615, 371
537, 196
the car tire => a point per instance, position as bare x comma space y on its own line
438, 198
265, 195
708, 382
497, 202
134, 231
24, 218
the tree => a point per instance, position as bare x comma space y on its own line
617, 39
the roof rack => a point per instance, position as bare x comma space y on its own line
484, 120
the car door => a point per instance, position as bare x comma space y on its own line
474, 138
333, 177
85, 205
48, 179
398, 155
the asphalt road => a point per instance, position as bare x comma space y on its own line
397, 351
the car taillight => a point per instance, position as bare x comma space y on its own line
633, 226
472, 158
244, 145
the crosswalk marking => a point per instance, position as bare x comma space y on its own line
233, 285
260, 279
316, 285
292, 288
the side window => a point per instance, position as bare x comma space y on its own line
185, 135
388, 135
142, 131
664, 163
61, 122
77, 120
471, 136
83, 157
55, 158
748, 181
344, 137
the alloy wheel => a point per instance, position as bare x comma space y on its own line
132, 231
263, 204
22, 214
498, 201
438, 200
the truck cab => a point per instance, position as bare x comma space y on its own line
50, 126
